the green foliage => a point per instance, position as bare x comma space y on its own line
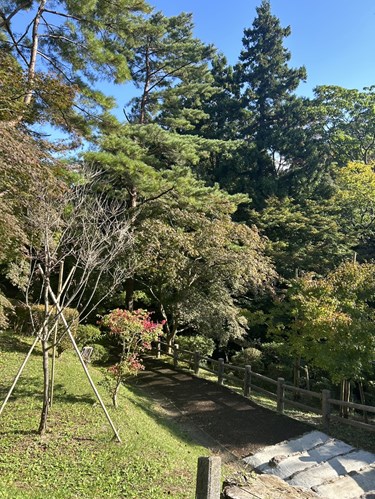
5, 309
333, 324
87, 334
249, 356
170, 66
29, 320
345, 119
198, 343
75, 46
267, 85
100, 354
354, 201
307, 236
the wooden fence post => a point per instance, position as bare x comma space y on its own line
326, 408
280, 395
220, 372
158, 352
196, 363
175, 355
208, 478
247, 381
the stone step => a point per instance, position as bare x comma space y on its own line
351, 486
315, 462
287, 448
354, 461
307, 459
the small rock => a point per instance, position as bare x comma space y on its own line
276, 460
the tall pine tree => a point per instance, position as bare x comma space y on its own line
267, 85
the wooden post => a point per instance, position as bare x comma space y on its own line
158, 354
247, 381
208, 478
196, 363
220, 372
280, 395
175, 355
326, 408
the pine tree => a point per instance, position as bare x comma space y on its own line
170, 67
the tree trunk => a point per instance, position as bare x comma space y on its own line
34, 53
115, 393
46, 378
363, 400
345, 397
129, 284
297, 376
145, 94
44, 415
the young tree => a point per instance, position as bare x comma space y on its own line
77, 225
135, 331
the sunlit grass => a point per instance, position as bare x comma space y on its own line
78, 456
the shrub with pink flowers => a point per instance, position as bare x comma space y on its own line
136, 332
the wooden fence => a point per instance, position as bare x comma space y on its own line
284, 393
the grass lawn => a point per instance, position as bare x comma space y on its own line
78, 457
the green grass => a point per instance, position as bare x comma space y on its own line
77, 457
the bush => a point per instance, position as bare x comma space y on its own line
23, 324
205, 346
87, 334
100, 354
249, 356
5, 308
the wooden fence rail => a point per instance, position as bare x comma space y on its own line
245, 376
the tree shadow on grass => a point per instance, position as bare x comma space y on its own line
12, 342
32, 388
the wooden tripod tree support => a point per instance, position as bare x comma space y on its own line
39, 338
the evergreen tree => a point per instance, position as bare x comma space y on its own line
267, 84
170, 68
64, 49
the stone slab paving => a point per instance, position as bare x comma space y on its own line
316, 462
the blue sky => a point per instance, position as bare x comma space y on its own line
333, 39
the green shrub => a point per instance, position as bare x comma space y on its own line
249, 356
23, 324
87, 334
205, 346
100, 354
5, 308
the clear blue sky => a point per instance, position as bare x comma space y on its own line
333, 39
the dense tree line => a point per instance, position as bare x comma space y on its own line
244, 203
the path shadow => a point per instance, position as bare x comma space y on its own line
231, 420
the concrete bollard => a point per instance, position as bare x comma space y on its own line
208, 478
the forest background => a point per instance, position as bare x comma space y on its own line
239, 212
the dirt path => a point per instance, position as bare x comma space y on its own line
218, 418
